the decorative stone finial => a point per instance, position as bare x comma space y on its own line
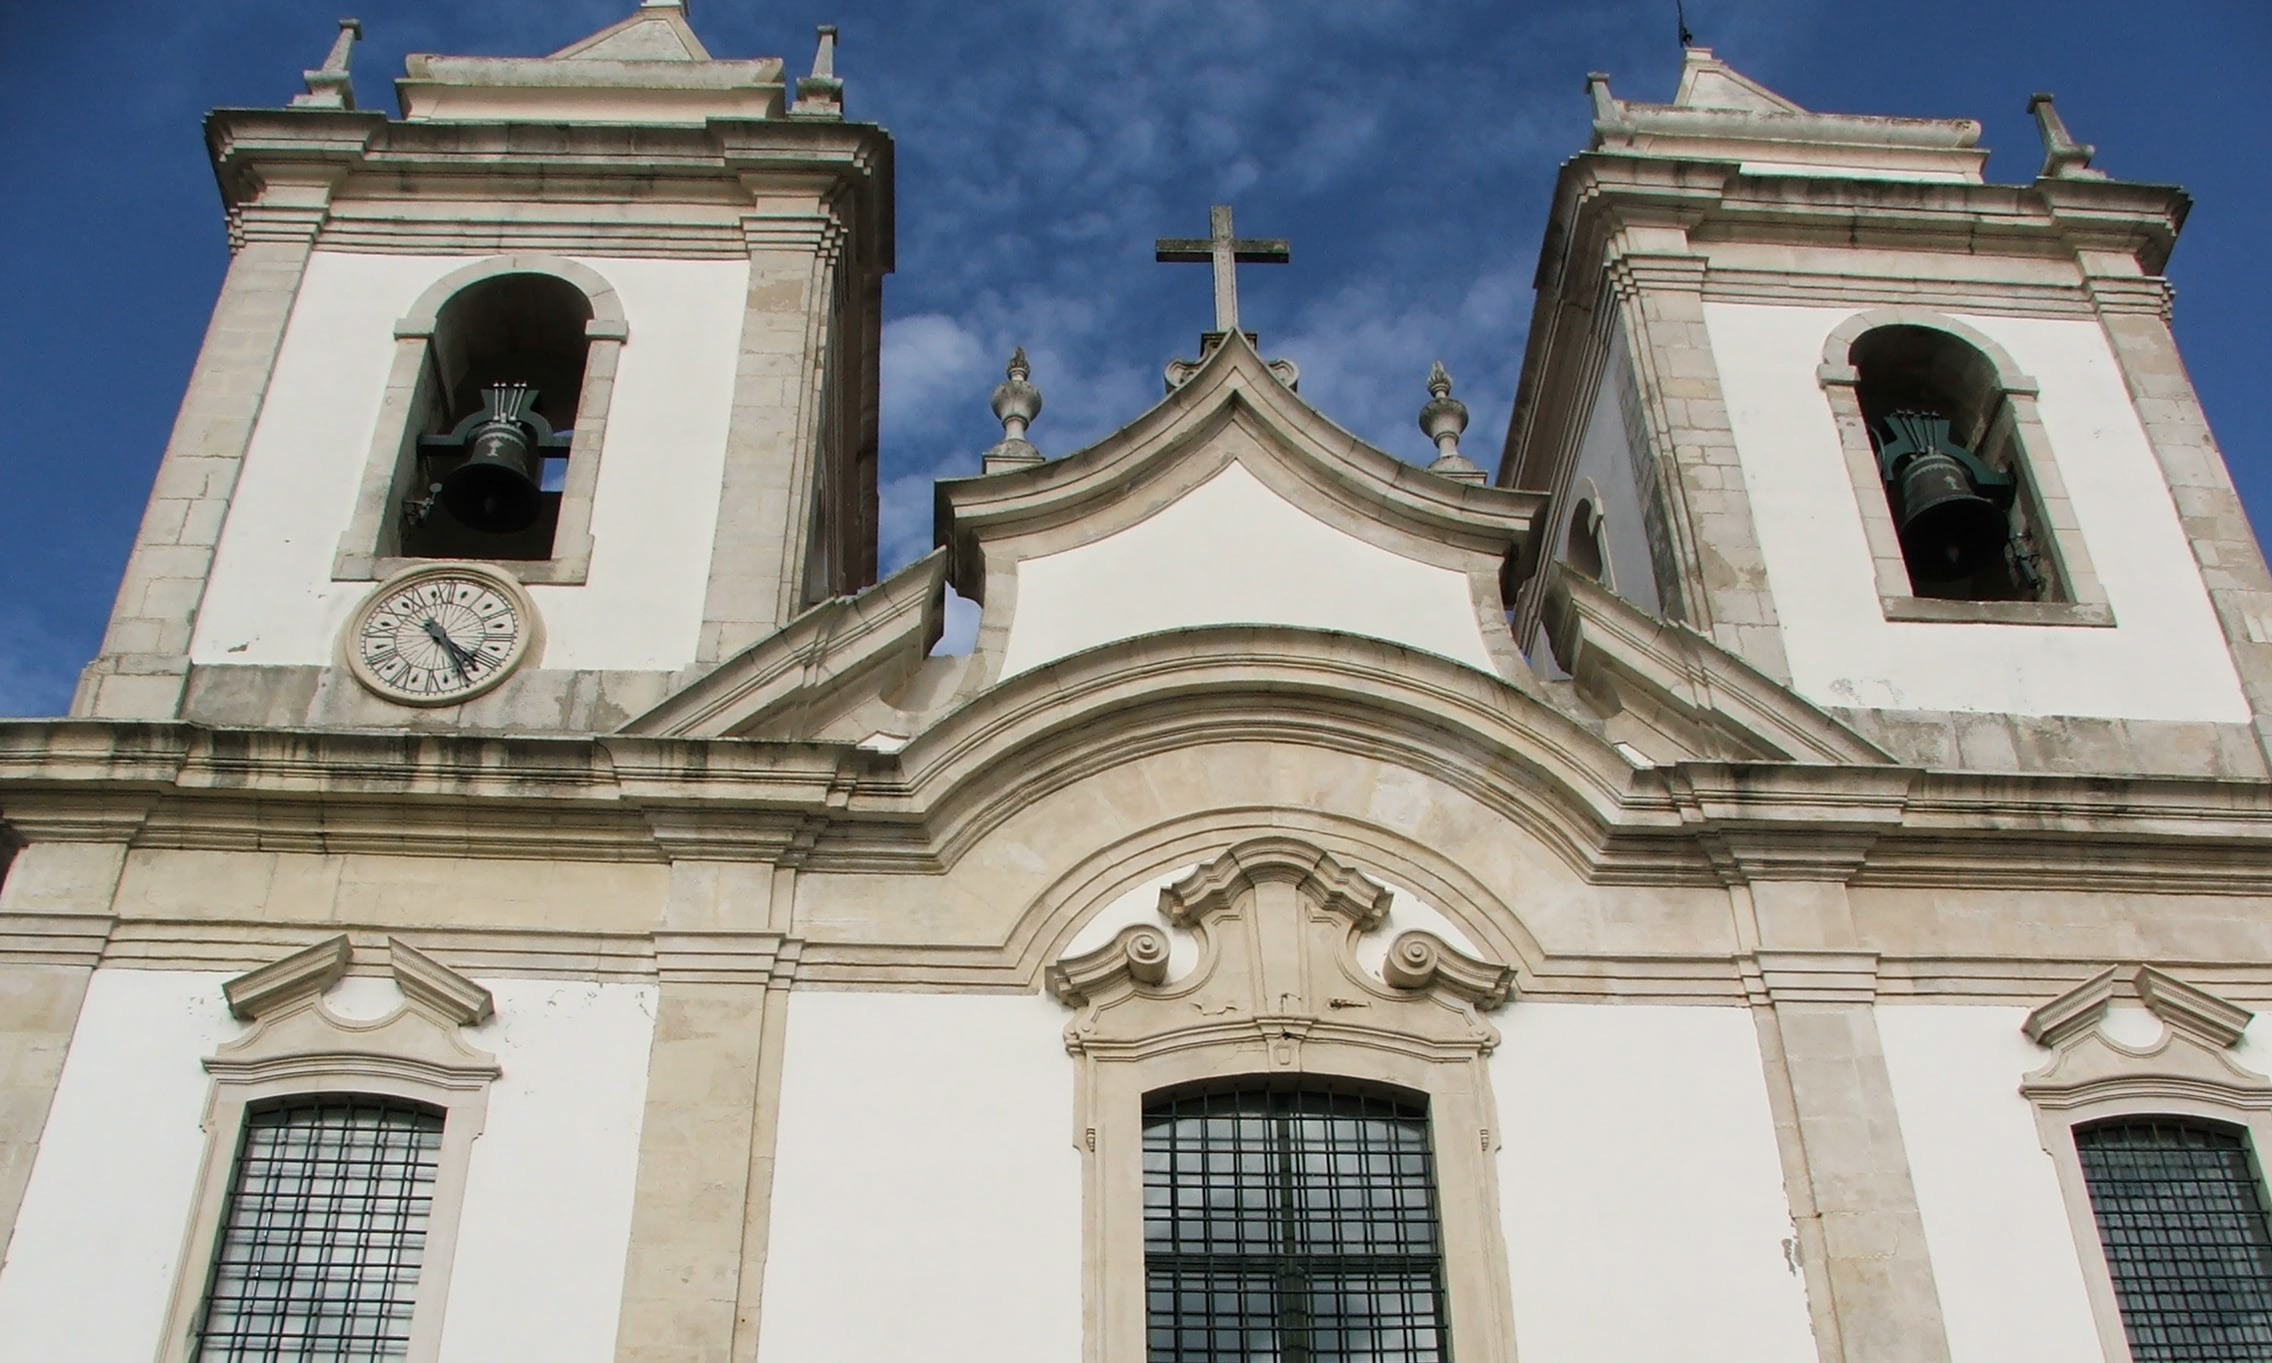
821, 94
2063, 157
1442, 420
1016, 403
329, 86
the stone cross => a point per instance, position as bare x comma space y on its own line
1224, 252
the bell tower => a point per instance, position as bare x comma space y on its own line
1917, 445
522, 407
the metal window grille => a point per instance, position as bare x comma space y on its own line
1291, 1226
323, 1232
2182, 1216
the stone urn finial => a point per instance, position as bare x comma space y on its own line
1442, 420
1016, 403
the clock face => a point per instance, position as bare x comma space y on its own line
436, 636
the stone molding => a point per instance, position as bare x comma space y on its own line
811, 660
1278, 992
1622, 658
626, 798
298, 1045
516, 188
2092, 1077
2035, 468
1232, 409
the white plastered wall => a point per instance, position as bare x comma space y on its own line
547, 1215
1640, 1188
1842, 650
271, 598
926, 1191
2004, 1254
1233, 552
1605, 464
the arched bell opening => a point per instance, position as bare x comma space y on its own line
1582, 548
1949, 458
505, 371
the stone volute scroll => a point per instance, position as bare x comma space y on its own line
1016, 403
1442, 420
1278, 923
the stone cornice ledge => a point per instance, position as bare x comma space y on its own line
622, 798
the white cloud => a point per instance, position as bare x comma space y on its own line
929, 359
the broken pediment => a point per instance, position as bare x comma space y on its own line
297, 1035
2190, 1061
1278, 922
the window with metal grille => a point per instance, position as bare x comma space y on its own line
324, 1229
2182, 1216
1291, 1226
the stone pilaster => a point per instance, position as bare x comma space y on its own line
1659, 289
145, 654
790, 324
54, 919
1861, 1236
695, 1268
2134, 311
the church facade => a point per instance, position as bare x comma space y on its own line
1777, 874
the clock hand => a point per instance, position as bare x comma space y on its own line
450, 646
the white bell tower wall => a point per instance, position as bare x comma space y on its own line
685, 265
1735, 296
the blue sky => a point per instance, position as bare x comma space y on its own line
1407, 150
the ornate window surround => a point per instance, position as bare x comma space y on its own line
1277, 990
364, 553
2035, 467
2092, 1076
299, 1046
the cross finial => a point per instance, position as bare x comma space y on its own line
1225, 252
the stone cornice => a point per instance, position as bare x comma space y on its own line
837, 807
501, 178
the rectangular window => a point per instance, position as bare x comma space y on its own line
2182, 1216
1291, 1226
323, 1233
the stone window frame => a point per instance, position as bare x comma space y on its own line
1270, 912
2035, 466
296, 1048
2092, 1077
394, 441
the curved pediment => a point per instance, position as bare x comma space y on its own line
1232, 502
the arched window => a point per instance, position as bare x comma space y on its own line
1291, 1223
489, 435
1948, 456
508, 371
2181, 1214
1582, 548
324, 1231
1962, 502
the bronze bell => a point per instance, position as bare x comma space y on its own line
1948, 507
499, 487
